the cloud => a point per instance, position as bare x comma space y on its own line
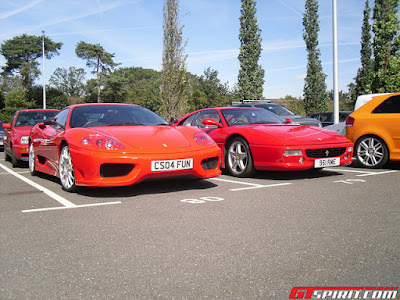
21, 9
60, 20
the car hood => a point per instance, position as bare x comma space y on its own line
22, 131
300, 135
147, 137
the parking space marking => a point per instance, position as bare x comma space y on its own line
378, 173
363, 173
66, 203
22, 172
252, 185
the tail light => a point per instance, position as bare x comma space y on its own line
349, 121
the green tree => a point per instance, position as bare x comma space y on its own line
70, 82
207, 90
98, 59
364, 76
16, 99
251, 74
55, 98
173, 78
21, 53
315, 94
2, 100
134, 85
386, 46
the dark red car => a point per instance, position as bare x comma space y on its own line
256, 139
16, 133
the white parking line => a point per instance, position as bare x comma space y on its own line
261, 186
378, 173
363, 173
252, 185
22, 172
66, 203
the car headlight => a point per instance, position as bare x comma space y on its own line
24, 140
203, 139
102, 142
293, 153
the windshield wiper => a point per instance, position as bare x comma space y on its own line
124, 124
263, 122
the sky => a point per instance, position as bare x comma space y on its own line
132, 30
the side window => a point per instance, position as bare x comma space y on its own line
389, 106
12, 119
206, 114
189, 120
61, 117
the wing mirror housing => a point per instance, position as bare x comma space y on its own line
6, 125
49, 121
212, 122
288, 121
173, 120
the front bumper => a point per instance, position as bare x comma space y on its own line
272, 158
88, 166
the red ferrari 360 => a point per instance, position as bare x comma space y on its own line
255, 139
118, 144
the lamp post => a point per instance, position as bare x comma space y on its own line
335, 65
44, 74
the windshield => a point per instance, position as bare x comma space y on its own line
113, 115
246, 116
30, 118
276, 109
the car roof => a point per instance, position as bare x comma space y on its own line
38, 109
98, 104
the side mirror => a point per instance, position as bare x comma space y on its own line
49, 121
173, 120
6, 125
212, 122
288, 121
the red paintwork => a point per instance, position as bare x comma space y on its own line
13, 135
268, 141
142, 144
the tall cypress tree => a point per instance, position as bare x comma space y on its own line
386, 46
173, 74
251, 74
365, 72
315, 94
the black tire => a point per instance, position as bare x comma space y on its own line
32, 160
14, 160
66, 170
371, 152
238, 158
7, 156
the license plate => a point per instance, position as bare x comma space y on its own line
327, 162
171, 165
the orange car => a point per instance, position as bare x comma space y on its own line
375, 130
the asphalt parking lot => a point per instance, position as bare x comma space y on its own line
223, 238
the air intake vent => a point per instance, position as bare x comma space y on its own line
115, 170
209, 163
328, 152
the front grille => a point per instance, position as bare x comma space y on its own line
115, 170
209, 163
327, 152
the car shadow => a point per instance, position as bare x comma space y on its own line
295, 175
151, 186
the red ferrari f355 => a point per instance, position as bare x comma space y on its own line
255, 139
